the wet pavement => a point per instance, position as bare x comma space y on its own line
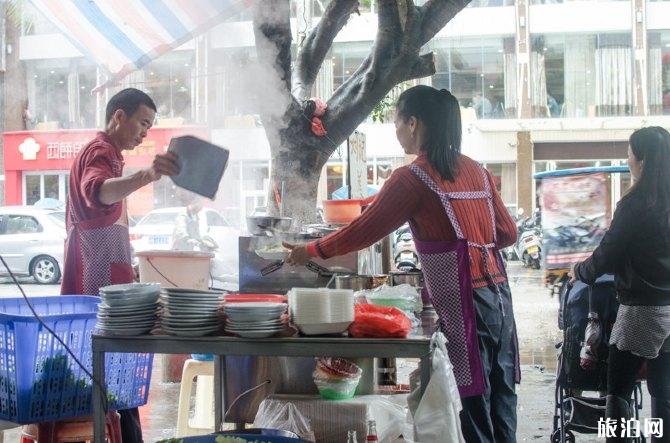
536, 315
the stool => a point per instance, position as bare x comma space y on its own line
203, 416
73, 430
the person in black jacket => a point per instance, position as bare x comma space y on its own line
636, 249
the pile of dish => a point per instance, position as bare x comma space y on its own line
255, 319
336, 378
318, 311
190, 312
128, 309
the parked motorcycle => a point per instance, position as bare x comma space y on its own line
405, 256
528, 247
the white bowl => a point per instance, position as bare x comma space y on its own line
323, 328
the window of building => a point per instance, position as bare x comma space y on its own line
581, 75
489, 3
473, 70
335, 177
347, 57
168, 80
59, 92
504, 179
548, 2
232, 84
659, 72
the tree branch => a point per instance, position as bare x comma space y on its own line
436, 14
423, 67
394, 58
385, 48
272, 31
318, 43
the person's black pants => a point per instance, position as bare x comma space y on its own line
131, 428
491, 417
623, 368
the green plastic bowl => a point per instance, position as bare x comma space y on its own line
337, 390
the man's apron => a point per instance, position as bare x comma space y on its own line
97, 253
446, 271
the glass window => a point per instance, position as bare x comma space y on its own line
22, 224
347, 57
473, 70
168, 81
50, 86
233, 85
335, 178
487, 3
60, 94
504, 179
51, 186
87, 80
659, 72
33, 191
581, 75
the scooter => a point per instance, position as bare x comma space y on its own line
529, 244
405, 256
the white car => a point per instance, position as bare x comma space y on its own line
154, 230
32, 242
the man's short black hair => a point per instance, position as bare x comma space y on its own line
128, 100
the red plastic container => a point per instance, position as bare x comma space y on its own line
237, 298
341, 212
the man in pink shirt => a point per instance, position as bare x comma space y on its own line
97, 248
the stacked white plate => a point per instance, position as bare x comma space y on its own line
128, 309
190, 312
255, 319
317, 311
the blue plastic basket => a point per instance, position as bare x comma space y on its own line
39, 380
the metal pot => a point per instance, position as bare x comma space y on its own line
262, 225
412, 278
359, 282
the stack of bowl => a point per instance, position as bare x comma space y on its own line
319, 311
255, 319
128, 309
336, 378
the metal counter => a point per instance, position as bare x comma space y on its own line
413, 347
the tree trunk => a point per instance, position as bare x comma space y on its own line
297, 164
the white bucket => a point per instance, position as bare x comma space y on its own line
181, 269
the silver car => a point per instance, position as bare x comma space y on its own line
32, 242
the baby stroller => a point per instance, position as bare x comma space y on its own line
573, 411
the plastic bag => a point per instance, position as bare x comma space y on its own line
379, 321
286, 417
588, 356
436, 417
404, 297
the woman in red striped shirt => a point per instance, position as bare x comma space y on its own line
453, 209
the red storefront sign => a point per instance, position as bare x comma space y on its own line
43, 151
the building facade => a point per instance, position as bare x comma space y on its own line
542, 84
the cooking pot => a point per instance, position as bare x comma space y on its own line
359, 282
262, 224
412, 278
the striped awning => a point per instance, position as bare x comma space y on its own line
124, 35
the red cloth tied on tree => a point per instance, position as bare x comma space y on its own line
320, 108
